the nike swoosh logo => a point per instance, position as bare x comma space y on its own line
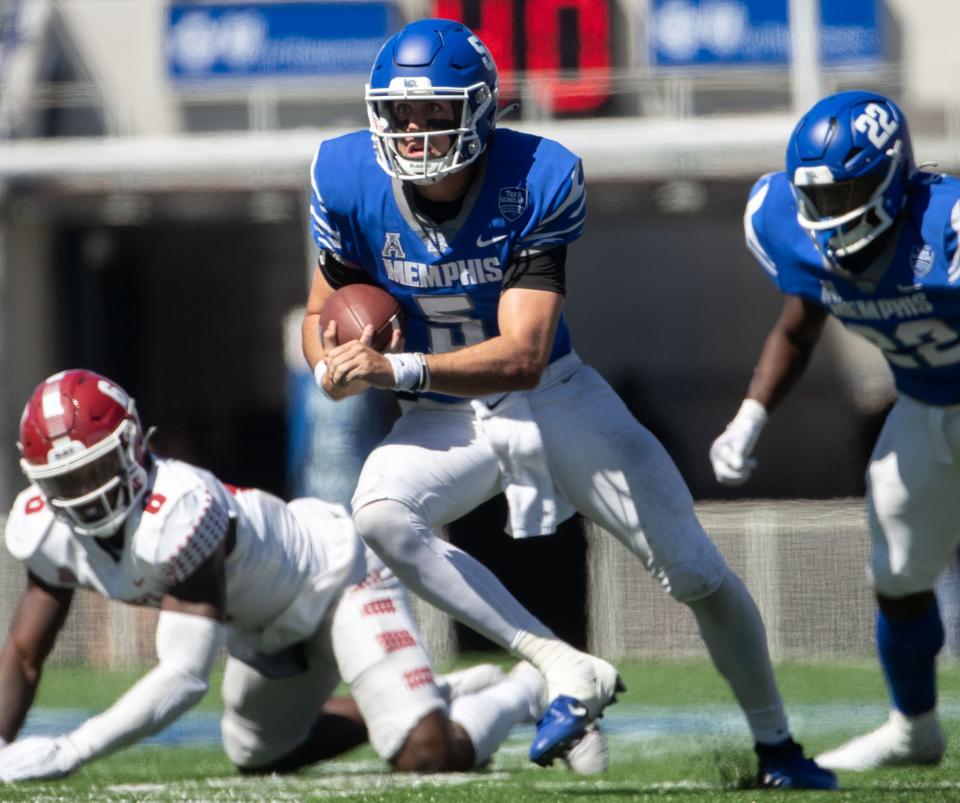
909, 288
481, 243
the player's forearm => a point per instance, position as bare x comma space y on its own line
187, 646
513, 360
18, 685
782, 363
155, 701
498, 365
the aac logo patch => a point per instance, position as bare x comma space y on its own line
512, 202
392, 247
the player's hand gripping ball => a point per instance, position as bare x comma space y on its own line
356, 306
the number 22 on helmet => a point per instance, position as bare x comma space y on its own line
849, 163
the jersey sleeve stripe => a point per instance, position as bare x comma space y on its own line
753, 242
953, 272
538, 237
313, 174
576, 194
208, 531
323, 235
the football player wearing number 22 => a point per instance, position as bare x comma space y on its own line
853, 229
468, 225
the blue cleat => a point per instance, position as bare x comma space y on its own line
784, 766
564, 721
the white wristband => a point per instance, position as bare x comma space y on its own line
409, 371
753, 412
319, 371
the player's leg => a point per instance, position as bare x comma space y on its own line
617, 474
913, 511
468, 681
470, 732
432, 469
383, 660
259, 706
278, 724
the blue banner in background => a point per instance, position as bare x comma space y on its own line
748, 32
239, 40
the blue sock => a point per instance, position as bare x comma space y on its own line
908, 650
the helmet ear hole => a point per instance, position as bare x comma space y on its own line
852, 154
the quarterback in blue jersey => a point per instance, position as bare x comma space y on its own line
467, 225
854, 230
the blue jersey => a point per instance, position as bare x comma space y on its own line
528, 198
907, 305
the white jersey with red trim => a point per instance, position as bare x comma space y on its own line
287, 562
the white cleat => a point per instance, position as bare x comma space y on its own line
468, 681
900, 740
588, 755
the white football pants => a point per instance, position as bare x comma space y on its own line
438, 464
913, 497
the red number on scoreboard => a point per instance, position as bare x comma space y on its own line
588, 89
494, 28
546, 38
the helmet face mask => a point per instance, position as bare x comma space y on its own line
432, 61
849, 163
82, 446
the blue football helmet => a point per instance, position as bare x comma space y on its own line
849, 163
432, 60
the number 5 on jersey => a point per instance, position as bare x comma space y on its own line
450, 313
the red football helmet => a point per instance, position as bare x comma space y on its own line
82, 444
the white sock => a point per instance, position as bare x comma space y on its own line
733, 631
489, 715
543, 651
443, 575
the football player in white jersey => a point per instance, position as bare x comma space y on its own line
290, 588
855, 230
467, 225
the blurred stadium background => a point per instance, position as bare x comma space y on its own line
153, 203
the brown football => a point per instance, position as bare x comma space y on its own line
355, 306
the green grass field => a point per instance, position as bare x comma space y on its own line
675, 736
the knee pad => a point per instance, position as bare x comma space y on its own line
382, 524
697, 577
